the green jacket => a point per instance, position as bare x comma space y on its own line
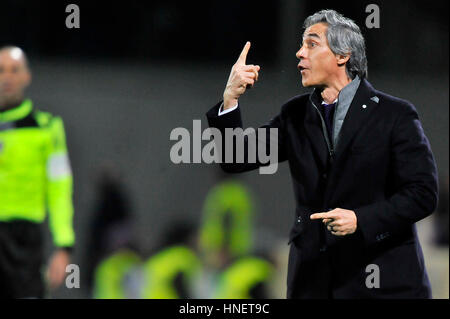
35, 174
238, 279
111, 272
161, 270
231, 198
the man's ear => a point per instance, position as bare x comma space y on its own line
28, 78
342, 59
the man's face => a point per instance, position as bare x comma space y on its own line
14, 74
318, 64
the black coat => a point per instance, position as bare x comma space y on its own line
383, 169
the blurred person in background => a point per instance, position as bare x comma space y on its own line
117, 276
174, 269
226, 230
111, 249
226, 244
247, 277
35, 177
362, 169
110, 225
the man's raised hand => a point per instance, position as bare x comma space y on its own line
241, 75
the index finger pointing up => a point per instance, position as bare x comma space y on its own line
243, 57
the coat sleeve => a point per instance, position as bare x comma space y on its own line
241, 153
59, 187
414, 176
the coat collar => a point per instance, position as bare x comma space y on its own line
18, 112
363, 104
360, 108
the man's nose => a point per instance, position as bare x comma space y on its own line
300, 54
6, 75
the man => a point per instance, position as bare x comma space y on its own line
362, 170
35, 176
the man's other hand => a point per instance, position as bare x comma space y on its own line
56, 272
241, 75
339, 221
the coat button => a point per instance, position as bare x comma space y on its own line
299, 220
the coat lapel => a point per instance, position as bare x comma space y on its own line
362, 105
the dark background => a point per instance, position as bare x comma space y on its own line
137, 69
413, 34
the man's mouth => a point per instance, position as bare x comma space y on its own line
302, 68
7, 87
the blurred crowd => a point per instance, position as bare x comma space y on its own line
215, 258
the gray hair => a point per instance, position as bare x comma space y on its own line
344, 38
